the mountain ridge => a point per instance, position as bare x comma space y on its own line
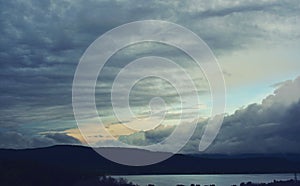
84, 159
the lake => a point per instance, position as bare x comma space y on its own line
218, 180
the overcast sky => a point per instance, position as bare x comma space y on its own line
256, 43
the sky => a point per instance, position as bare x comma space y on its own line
256, 43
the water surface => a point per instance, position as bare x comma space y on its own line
218, 180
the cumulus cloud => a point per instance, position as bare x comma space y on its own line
269, 127
148, 137
16, 140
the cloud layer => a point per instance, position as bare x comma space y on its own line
17, 140
270, 127
41, 43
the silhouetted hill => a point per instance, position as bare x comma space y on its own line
86, 160
69, 164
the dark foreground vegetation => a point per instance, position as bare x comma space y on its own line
274, 183
81, 166
33, 174
104, 181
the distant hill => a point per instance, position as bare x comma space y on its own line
85, 159
73, 162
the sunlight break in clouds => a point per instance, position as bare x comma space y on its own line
256, 43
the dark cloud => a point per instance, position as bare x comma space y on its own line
148, 137
41, 43
16, 140
159, 134
266, 132
270, 127
225, 11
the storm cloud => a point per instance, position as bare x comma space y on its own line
270, 127
42, 41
